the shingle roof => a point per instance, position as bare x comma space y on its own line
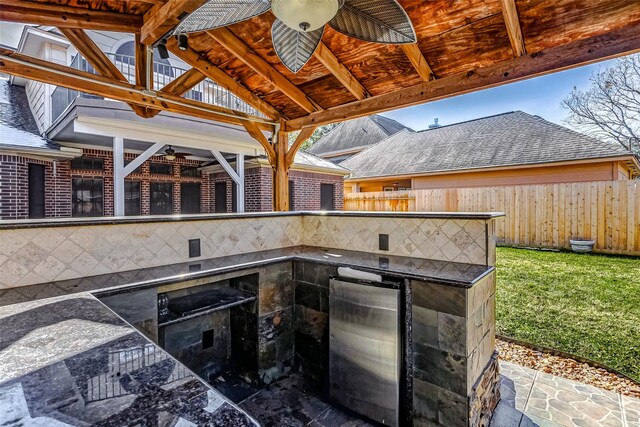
356, 133
17, 125
508, 139
307, 159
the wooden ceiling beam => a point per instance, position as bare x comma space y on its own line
181, 85
305, 134
419, 62
99, 61
574, 54
203, 65
36, 69
257, 134
144, 64
159, 21
244, 53
30, 12
510, 13
339, 71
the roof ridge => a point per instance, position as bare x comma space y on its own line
473, 120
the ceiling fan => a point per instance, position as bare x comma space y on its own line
300, 24
170, 154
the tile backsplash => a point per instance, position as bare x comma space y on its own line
32, 255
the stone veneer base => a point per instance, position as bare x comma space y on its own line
485, 395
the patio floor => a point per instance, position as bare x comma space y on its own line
534, 398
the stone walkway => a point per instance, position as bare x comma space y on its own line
534, 398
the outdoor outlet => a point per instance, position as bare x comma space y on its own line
383, 242
194, 248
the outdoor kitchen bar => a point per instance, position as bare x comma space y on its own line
92, 307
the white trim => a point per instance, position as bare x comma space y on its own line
118, 176
237, 177
139, 132
146, 155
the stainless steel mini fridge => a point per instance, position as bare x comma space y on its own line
364, 349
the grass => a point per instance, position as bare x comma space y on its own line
583, 304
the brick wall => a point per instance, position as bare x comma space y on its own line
14, 187
258, 186
306, 190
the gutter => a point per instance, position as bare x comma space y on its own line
64, 153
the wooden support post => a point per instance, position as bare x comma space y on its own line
281, 173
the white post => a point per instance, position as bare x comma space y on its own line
240, 183
236, 176
118, 176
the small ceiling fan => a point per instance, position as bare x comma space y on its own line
299, 24
170, 154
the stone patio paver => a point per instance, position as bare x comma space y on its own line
534, 398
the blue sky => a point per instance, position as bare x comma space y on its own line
540, 96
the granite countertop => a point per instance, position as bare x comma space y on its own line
441, 272
72, 361
70, 222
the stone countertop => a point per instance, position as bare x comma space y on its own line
72, 361
71, 222
441, 272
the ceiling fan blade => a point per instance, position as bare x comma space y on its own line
294, 48
378, 21
220, 13
183, 154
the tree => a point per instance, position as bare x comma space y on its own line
610, 108
315, 136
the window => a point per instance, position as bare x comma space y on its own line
87, 163
86, 197
190, 198
161, 198
132, 198
136, 170
190, 171
291, 196
326, 197
36, 191
221, 197
160, 169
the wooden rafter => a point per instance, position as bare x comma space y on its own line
570, 55
29, 12
512, 22
419, 62
243, 52
335, 67
224, 80
257, 134
36, 69
305, 134
181, 85
99, 61
159, 21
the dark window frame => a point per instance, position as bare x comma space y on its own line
155, 204
156, 166
87, 163
128, 204
333, 197
96, 203
190, 171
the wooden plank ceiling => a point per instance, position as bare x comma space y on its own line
456, 39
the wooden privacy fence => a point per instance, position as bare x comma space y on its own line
546, 215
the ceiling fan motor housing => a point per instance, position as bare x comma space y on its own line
305, 15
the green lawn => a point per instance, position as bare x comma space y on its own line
586, 305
